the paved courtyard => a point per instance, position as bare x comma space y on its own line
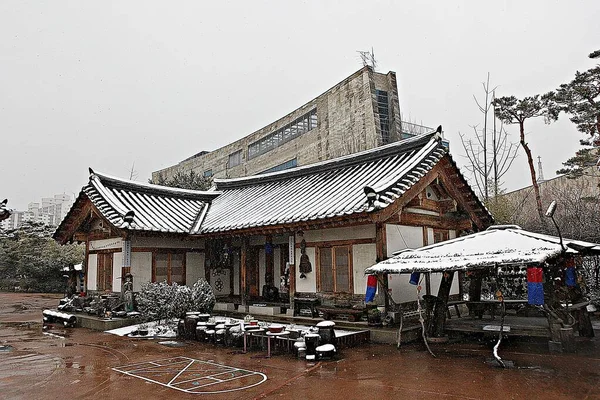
84, 364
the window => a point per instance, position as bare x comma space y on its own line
335, 269
208, 173
235, 159
299, 127
384, 115
286, 165
169, 267
105, 269
440, 235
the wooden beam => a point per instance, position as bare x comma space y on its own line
394, 208
444, 222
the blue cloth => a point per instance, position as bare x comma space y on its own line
370, 295
570, 277
535, 293
414, 278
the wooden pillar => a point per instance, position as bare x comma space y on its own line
243, 288
441, 306
381, 246
86, 265
269, 261
475, 286
292, 265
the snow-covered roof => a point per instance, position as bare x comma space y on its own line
328, 189
496, 245
155, 208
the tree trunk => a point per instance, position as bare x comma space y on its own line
441, 305
536, 188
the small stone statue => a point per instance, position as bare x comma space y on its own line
128, 292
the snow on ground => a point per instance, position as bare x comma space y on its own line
164, 331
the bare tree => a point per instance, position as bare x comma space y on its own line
489, 152
133, 173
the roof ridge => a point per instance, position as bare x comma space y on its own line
404, 146
149, 187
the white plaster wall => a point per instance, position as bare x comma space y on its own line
430, 238
225, 279
194, 267
92, 272
103, 244
308, 284
451, 234
117, 271
401, 290
400, 237
167, 242
262, 269
435, 284
363, 256
323, 235
236, 273
141, 268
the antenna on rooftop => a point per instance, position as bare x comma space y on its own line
368, 58
540, 171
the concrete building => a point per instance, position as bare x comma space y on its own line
359, 113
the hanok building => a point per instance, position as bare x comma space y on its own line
359, 113
323, 224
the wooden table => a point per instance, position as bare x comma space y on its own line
310, 303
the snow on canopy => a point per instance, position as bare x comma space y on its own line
496, 245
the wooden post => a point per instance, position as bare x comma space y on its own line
381, 250
441, 306
244, 287
269, 261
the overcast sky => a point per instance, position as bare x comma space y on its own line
108, 84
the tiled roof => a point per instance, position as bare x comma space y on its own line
333, 188
494, 246
323, 190
156, 208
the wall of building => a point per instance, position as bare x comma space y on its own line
141, 268
92, 272
401, 237
194, 267
347, 123
117, 271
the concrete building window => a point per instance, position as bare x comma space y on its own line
208, 173
286, 165
384, 115
335, 269
298, 127
235, 159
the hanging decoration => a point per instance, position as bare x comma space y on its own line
371, 288
535, 286
570, 274
414, 278
305, 266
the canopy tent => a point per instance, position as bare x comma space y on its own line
498, 245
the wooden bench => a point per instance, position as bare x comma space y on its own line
353, 314
306, 303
